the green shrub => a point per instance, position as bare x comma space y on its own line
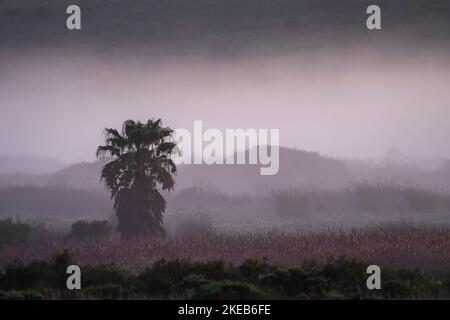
230, 290
94, 276
409, 283
345, 274
280, 280
164, 277
174, 269
336, 279
106, 291
190, 284
37, 274
305, 280
216, 270
155, 284
333, 295
60, 264
252, 270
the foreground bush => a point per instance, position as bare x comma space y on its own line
360, 198
336, 279
36, 275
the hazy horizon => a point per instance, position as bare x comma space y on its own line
318, 101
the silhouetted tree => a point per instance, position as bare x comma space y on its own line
141, 162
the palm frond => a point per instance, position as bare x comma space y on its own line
141, 162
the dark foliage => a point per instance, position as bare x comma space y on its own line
90, 230
336, 279
141, 162
36, 275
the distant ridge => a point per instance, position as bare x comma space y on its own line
298, 169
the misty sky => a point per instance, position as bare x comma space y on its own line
346, 103
314, 72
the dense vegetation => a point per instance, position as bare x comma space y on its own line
361, 198
181, 279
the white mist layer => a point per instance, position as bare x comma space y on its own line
344, 104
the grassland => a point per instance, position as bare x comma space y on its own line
402, 245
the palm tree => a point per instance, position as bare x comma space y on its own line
141, 162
